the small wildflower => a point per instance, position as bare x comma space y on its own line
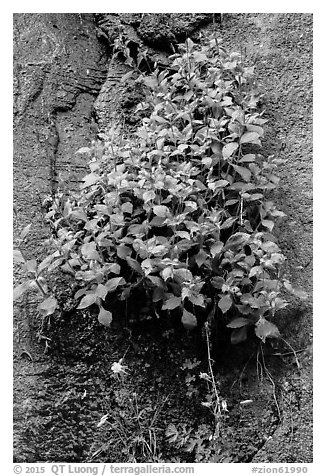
117, 368
235, 290
224, 406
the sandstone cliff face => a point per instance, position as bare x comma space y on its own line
59, 68
67, 89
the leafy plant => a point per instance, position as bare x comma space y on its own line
176, 219
36, 280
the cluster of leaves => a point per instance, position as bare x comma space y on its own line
199, 443
36, 279
180, 212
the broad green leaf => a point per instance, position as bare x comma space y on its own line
250, 260
157, 221
87, 301
158, 119
207, 161
229, 149
172, 433
248, 158
239, 335
200, 258
183, 274
228, 223
256, 270
221, 183
66, 268
190, 205
243, 187
123, 251
25, 231
18, 257
185, 293
147, 266
89, 251
236, 241
190, 45
134, 265
254, 196
80, 293
300, 293
101, 291
104, 317
266, 329
94, 165
270, 247
126, 76
44, 264
127, 207
217, 282
268, 224
56, 263
217, 184
156, 281
21, 288
172, 303
112, 284
90, 179
188, 320
250, 138
199, 57
149, 195
31, 266
280, 303
239, 322
183, 234
197, 300
254, 128
159, 250
79, 214
35, 287
243, 171
161, 211
48, 306
114, 268
167, 273
225, 303
216, 248
233, 201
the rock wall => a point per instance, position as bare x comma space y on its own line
59, 68
280, 45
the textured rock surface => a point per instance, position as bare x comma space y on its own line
281, 47
59, 68
154, 33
